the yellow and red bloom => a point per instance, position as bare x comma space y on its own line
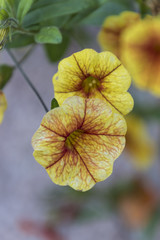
78, 142
140, 53
139, 143
3, 105
112, 29
138, 204
89, 74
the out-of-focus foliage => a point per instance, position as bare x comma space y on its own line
5, 74
55, 52
134, 201
110, 7
23, 7
33, 18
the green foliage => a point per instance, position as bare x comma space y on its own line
42, 21
56, 52
23, 8
144, 9
148, 113
43, 12
150, 230
20, 40
111, 7
49, 35
2, 3
54, 103
3, 15
5, 74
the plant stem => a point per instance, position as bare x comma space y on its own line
27, 79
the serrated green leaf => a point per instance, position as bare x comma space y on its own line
56, 52
6, 72
23, 8
20, 40
49, 35
56, 9
54, 104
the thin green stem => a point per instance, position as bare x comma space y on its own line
27, 79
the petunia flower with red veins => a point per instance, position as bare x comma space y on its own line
89, 74
78, 142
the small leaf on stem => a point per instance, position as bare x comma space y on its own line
54, 104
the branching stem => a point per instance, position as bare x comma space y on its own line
27, 79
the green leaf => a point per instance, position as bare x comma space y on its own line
49, 35
23, 7
153, 225
56, 9
57, 22
148, 113
56, 52
54, 104
20, 40
2, 3
5, 74
3, 15
113, 7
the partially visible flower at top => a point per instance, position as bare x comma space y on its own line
3, 105
78, 142
140, 53
90, 74
139, 144
112, 29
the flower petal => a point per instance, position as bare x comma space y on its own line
141, 54
71, 170
113, 27
118, 80
3, 105
99, 152
118, 100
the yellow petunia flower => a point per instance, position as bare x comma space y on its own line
3, 105
90, 74
78, 142
141, 54
112, 28
138, 143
